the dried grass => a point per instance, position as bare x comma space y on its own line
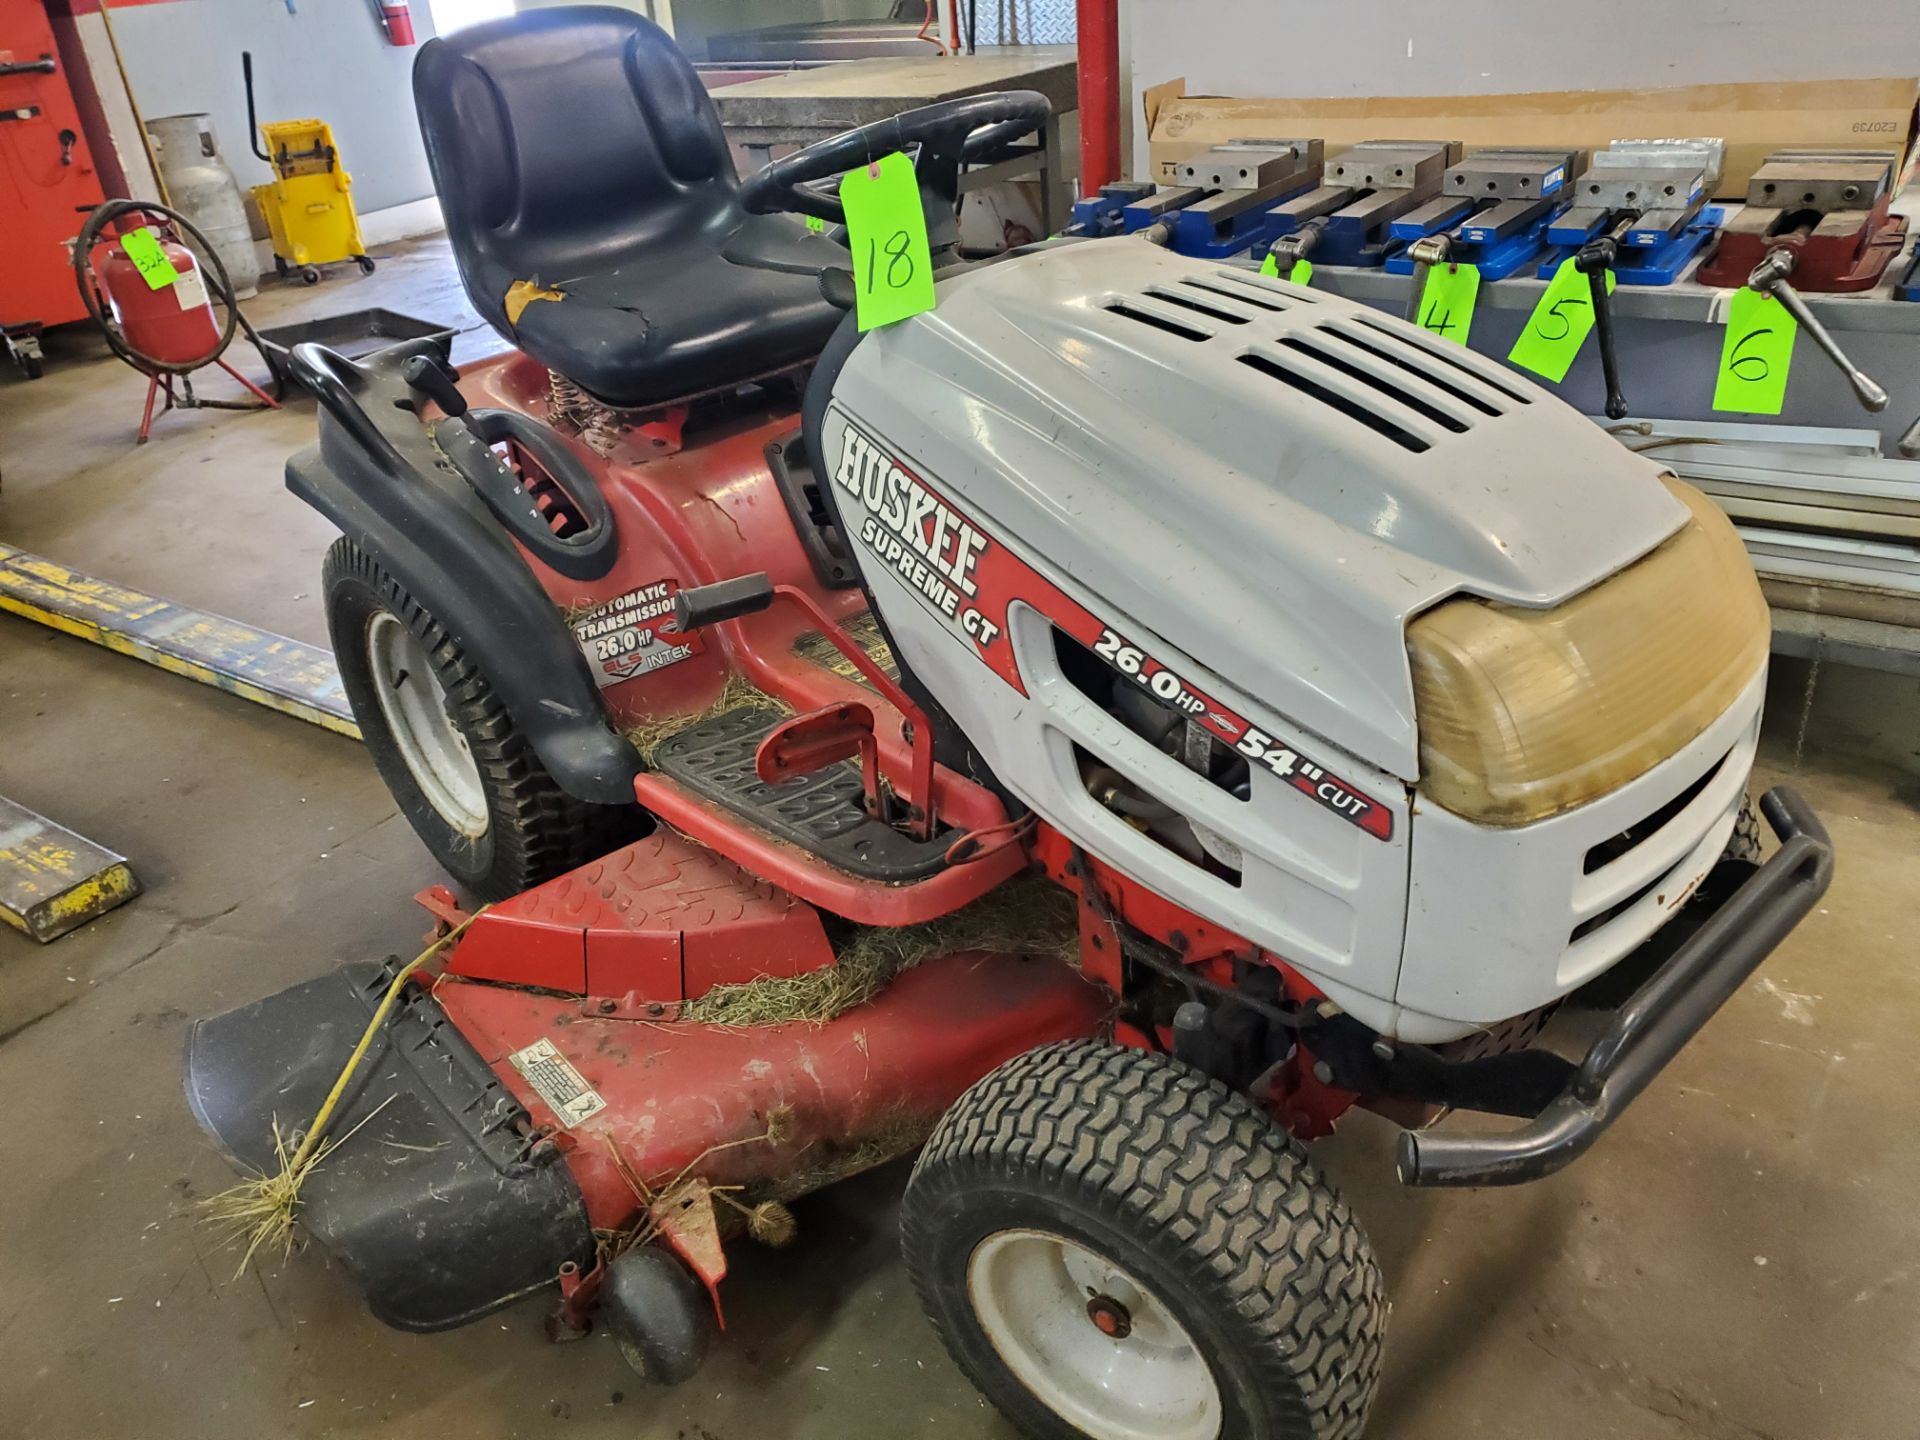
1028, 916
739, 693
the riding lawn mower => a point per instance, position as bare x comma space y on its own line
1093, 732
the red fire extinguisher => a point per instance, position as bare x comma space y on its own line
149, 292
396, 20
173, 324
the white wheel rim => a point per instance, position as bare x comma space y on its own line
1048, 1306
415, 705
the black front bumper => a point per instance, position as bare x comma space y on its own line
1652, 1027
438, 1205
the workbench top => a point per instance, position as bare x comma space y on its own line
850, 93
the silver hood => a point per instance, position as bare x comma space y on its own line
1272, 486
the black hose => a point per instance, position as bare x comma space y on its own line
211, 268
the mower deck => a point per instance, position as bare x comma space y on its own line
545, 1086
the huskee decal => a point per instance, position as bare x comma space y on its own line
915, 532
962, 574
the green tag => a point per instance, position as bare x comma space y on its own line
1446, 304
887, 233
1559, 324
816, 224
143, 248
1300, 274
1755, 355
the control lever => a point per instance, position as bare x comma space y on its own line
1910, 442
1769, 277
1426, 252
1594, 260
1290, 250
434, 378
43, 66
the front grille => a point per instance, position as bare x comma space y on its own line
1615, 846
1630, 882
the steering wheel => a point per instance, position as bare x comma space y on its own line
948, 134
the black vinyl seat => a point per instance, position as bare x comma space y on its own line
575, 148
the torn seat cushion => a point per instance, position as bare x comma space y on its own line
576, 149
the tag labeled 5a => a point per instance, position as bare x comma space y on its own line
887, 235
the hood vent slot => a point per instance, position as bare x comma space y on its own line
1416, 339
1362, 376
1158, 322
1269, 285
1380, 352
1239, 295
1353, 410
1190, 302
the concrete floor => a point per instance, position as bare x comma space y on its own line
1737, 1261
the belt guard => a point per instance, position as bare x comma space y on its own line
444, 1204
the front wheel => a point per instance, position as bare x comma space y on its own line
461, 771
1114, 1246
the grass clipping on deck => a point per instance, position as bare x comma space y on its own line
1023, 917
738, 693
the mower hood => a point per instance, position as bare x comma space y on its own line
1269, 478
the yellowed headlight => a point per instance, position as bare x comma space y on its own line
1525, 713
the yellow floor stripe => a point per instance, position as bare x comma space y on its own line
285, 675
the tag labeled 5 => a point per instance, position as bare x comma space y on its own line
1559, 324
887, 235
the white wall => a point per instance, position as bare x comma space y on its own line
1463, 47
329, 59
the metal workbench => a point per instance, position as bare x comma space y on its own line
802, 106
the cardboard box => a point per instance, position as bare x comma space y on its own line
1754, 119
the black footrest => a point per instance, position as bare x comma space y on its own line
820, 812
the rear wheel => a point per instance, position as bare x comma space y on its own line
1114, 1246
461, 771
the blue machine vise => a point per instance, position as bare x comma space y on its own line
1496, 205
1099, 215
1657, 190
1221, 205
1907, 287
1349, 218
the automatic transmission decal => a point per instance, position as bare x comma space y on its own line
623, 637
968, 579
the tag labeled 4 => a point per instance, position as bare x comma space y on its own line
1447, 301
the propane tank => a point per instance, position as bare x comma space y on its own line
174, 324
200, 183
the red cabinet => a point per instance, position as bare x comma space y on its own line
47, 175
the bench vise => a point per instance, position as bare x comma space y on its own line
1495, 205
1348, 219
1829, 208
1650, 197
